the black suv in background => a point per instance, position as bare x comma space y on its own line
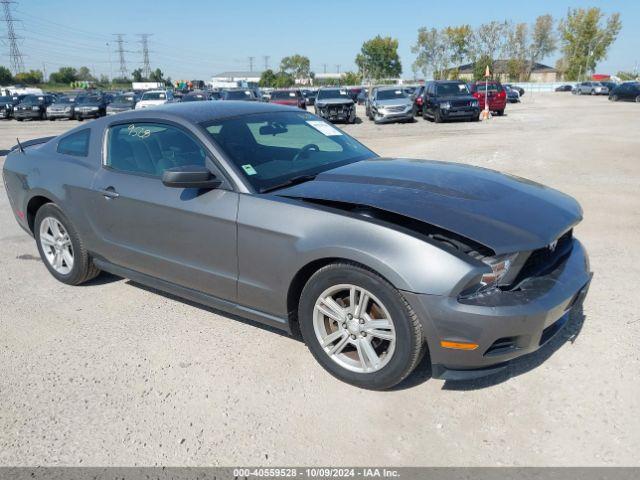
448, 100
629, 92
32, 106
7, 104
93, 105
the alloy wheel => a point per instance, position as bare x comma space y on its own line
354, 328
56, 245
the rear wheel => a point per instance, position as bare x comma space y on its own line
359, 327
437, 117
593, 92
500, 112
638, 99
61, 248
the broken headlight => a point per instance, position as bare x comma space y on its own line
500, 266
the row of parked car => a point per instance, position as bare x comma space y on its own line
437, 100
626, 91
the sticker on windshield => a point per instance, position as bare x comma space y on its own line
324, 128
249, 170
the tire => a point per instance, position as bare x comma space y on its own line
475, 118
19, 119
500, 112
579, 92
638, 99
406, 329
83, 268
593, 92
437, 117
613, 98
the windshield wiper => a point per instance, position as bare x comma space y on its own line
288, 183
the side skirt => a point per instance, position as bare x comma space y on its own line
194, 295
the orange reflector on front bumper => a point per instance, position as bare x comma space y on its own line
458, 345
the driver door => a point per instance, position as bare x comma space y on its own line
183, 236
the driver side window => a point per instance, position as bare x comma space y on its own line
151, 148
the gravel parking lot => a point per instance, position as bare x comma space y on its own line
115, 374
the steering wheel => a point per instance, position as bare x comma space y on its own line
304, 151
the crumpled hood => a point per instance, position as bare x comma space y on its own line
502, 212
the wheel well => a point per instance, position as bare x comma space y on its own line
32, 208
300, 280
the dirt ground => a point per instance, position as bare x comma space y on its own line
115, 374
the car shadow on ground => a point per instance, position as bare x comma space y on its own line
206, 308
516, 367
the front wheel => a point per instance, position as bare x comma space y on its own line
359, 327
500, 112
437, 117
61, 248
638, 99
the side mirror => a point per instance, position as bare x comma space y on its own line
190, 176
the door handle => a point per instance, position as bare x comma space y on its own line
109, 192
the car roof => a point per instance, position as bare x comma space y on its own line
197, 112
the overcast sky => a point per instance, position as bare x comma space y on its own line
191, 42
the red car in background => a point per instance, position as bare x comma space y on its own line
293, 98
494, 91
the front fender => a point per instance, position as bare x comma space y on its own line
277, 238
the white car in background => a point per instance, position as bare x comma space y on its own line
153, 98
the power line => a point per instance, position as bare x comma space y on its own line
15, 57
146, 67
123, 63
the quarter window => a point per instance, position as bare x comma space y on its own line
151, 148
76, 144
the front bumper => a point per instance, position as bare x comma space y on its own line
459, 113
51, 114
381, 116
88, 114
337, 114
27, 114
5, 113
504, 324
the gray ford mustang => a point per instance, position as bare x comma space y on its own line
274, 214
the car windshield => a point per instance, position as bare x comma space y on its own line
124, 99
276, 148
391, 94
332, 93
33, 100
65, 100
283, 95
88, 99
154, 96
238, 94
449, 89
6, 99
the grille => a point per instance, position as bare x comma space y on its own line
460, 103
399, 108
544, 260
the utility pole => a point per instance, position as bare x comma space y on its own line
146, 66
44, 71
338, 68
110, 64
123, 63
324, 67
15, 57
266, 62
251, 59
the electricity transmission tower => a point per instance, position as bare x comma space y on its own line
146, 67
123, 63
17, 65
266, 62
